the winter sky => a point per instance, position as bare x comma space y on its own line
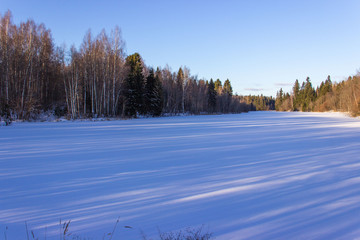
259, 45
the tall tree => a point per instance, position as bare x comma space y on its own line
185, 85
5, 48
296, 91
153, 94
309, 95
211, 96
180, 79
134, 84
118, 62
218, 86
227, 88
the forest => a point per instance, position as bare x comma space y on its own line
341, 97
97, 79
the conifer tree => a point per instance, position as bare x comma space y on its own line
179, 90
327, 86
296, 91
211, 96
279, 99
153, 94
227, 88
227, 96
218, 86
308, 95
134, 84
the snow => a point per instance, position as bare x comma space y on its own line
259, 175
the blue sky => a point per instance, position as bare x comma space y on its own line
259, 45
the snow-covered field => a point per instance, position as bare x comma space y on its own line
260, 175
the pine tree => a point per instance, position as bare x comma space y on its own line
134, 84
211, 96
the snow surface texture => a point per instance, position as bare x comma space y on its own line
261, 175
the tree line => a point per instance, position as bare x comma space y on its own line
259, 102
342, 97
96, 79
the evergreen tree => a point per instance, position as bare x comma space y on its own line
153, 94
179, 90
279, 99
5, 113
227, 96
309, 95
327, 86
211, 96
134, 84
227, 88
218, 86
296, 92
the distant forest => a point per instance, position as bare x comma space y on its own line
99, 80
329, 96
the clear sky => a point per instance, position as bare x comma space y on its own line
260, 45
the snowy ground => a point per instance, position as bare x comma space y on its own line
261, 175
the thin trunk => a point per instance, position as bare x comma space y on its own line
23, 95
183, 98
7, 62
113, 89
93, 106
92, 96
95, 93
85, 81
104, 99
71, 89
29, 92
354, 92
76, 93
66, 91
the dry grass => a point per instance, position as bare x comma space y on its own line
190, 233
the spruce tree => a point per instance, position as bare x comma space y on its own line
279, 99
159, 96
328, 85
180, 90
227, 88
5, 113
218, 86
227, 93
153, 95
309, 95
296, 92
211, 96
134, 84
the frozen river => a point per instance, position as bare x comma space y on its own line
259, 175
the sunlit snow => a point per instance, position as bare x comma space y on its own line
259, 175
